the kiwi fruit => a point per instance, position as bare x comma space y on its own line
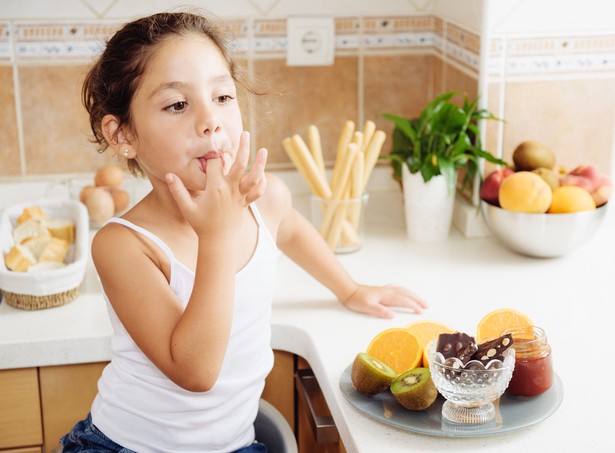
371, 376
414, 389
530, 155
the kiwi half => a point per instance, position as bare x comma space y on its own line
371, 376
414, 389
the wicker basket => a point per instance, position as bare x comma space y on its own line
49, 288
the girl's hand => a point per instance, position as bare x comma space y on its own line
220, 207
374, 300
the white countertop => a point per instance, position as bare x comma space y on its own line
462, 279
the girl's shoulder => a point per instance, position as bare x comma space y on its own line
276, 203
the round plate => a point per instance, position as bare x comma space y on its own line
512, 413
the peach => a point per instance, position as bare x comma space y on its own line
568, 199
590, 172
577, 180
525, 191
603, 192
489, 190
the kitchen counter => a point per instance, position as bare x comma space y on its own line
462, 279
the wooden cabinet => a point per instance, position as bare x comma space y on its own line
20, 410
67, 393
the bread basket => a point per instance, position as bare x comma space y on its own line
50, 288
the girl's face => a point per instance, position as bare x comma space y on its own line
184, 110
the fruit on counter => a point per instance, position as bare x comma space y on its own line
517, 195
100, 204
550, 176
39, 239
530, 155
591, 179
568, 199
495, 322
371, 376
426, 332
490, 189
524, 191
121, 199
109, 175
109, 178
590, 172
602, 194
414, 389
397, 348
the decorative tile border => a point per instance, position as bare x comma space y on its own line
552, 55
266, 37
37, 40
5, 41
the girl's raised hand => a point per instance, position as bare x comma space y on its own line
219, 209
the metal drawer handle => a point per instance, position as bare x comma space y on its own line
323, 426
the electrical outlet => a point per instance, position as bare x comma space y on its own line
311, 41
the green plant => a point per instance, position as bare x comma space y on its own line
442, 140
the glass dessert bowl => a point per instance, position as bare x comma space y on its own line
471, 388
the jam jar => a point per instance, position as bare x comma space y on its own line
533, 373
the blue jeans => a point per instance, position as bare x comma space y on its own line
87, 438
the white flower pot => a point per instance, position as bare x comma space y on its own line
428, 207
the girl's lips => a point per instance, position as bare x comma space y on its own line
211, 155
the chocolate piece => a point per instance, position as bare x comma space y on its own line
456, 344
493, 350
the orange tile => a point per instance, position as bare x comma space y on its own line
9, 140
56, 128
397, 85
300, 96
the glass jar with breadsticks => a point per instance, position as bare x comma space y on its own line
339, 203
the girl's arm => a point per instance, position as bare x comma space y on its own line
302, 243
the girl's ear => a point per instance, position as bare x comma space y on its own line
116, 137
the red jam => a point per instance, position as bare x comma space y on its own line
533, 373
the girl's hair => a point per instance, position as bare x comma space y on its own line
111, 83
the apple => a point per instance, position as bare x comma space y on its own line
490, 188
603, 192
589, 171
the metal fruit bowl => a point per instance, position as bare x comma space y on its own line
542, 235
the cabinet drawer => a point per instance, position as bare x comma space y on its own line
20, 409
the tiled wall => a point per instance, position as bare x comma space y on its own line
382, 64
556, 88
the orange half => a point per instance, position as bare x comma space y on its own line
426, 332
494, 323
398, 348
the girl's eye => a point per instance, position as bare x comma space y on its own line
177, 106
224, 99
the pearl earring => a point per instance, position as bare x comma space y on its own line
126, 153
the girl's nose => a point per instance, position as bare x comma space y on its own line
209, 123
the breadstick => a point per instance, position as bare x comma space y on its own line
287, 144
356, 190
303, 152
368, 132
342, 146
339, 189
357, 137
316, 148
371, 155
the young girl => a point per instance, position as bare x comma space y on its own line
188, 273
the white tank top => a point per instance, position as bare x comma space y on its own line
142, 410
